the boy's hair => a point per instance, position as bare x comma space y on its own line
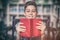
30, 3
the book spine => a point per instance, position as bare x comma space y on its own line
31, 27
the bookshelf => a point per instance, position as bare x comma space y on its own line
46, 9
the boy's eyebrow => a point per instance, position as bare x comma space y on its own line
29, 9
34, 9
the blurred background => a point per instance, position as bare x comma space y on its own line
12, 10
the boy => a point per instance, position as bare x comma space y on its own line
30, 12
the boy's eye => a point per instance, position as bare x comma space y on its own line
27, 11
34, 11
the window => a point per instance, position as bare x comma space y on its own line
13, 8
21, 9
46, 9
39, 9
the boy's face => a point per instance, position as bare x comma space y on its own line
30, 12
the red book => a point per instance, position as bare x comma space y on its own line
30, 25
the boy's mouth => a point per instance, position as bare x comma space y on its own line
31, 16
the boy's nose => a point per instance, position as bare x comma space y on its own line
30, 13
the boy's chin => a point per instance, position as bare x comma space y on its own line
30, 17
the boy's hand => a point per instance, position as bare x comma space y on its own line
20, 28
41, 26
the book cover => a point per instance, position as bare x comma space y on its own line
30, 25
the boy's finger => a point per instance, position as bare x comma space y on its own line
38, 27
20, 23
38, 23
22, 27
22, 30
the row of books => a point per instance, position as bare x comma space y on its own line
37, 1
21, 9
